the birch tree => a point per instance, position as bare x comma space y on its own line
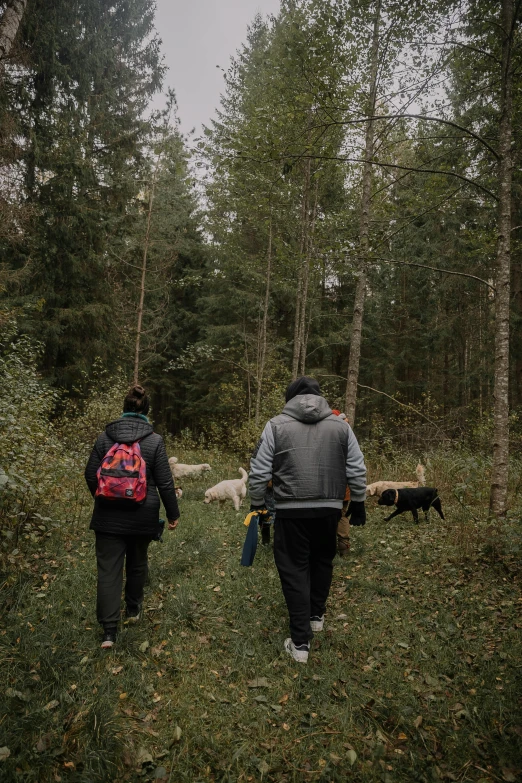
9, 25
364, 225
500, 470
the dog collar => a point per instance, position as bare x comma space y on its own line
396, 497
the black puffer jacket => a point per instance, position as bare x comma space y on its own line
142, 520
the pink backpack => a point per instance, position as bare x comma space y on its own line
122, 474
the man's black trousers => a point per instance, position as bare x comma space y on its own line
304, 550
111, 553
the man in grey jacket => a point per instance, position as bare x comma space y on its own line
310, 454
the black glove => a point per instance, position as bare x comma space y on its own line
357, 513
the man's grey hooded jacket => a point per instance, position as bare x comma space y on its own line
310, 454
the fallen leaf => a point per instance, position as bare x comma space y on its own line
143, 756
263, 767
4, 753
259, 682
117, 669
176, 734
160, 773
69, 765
402, 736
276, 707
12, 694
123, 695
260, 698
217, 589
334, 758
352, 757
429, 680
144, 647
52, 704
84, 660
457, 707
284, 699
44, 743
508, 776
418, 721
286, 726
156, 698
403, 645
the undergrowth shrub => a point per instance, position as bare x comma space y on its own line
33, 461
45, 439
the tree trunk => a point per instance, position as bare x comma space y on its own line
249, 383
9, 26
264, 325
364, 230
142, 285
499, 475
516, 386
302, 339
300, 301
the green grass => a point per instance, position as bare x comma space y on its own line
417, 676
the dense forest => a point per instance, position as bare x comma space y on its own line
352, 213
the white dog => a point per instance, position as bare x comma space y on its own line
378, 487
230, 489
179, 470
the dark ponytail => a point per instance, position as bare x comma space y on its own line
136, 401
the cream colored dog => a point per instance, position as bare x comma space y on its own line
230, 489
378, 487
179, 470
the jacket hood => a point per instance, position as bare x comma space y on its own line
302, 385
128, 429
308, 408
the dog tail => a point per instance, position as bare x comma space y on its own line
421, 475
173, 460
244, 474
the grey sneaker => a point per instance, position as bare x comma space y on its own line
108, 639
317, 623
132, 615
298, 652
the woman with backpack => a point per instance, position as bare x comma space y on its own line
127, 468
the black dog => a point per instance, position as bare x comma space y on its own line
411, 500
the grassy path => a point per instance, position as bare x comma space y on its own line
417, 676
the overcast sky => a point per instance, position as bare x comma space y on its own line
198, 35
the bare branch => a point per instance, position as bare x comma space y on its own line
402, 404
433, 269
383, 165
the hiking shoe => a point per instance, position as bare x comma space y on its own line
132, 615
108, 639
299, 652
317, 623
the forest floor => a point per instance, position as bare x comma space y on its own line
417, 676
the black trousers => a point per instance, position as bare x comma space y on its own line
304, 550
111, 553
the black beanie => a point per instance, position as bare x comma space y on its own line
303, 385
